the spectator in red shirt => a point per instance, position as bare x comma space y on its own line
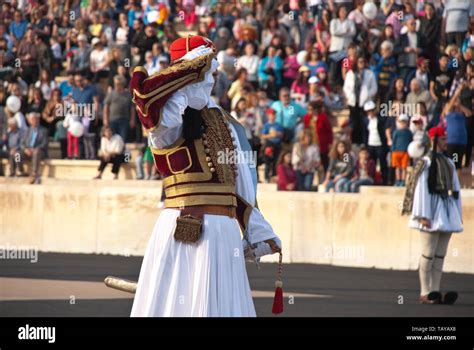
317, 121
285, 172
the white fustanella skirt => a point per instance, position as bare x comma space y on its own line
206, 279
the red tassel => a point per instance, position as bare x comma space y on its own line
278, 299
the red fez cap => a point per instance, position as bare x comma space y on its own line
182, 46
437, 131
270, 110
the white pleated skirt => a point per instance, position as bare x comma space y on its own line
206, 279
446, 217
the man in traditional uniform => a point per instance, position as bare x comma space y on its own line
194, 264
433, 200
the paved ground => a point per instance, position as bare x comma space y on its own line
71, 285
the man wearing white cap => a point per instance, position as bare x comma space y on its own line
375, 138
99, 60
80, 61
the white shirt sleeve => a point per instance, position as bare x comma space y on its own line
171, 123
259, 230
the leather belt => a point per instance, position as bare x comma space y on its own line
200, 210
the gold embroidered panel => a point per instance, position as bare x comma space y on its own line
217, 138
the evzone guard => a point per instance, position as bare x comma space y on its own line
433, 201
194, 264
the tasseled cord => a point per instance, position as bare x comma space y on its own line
278, 299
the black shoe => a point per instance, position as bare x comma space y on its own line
435, 297
450, 298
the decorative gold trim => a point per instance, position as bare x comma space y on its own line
204, 175
185, 189
219, 139
156, 125
180, 66
187, 201
163, 93
173, 152
165, 86
140, 69
170, 148
205, 60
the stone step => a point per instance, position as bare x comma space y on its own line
77, 169
48, 181
54, 150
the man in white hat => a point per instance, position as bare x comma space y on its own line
375, 138
99, 60
80, 61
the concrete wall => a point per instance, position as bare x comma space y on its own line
361, 230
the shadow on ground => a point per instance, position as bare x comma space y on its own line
310, 290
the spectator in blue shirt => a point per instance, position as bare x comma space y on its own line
272, 134
270, 68
134, 13
455, 114
288, 114
18, 27
66, 85
4, 35
86, 99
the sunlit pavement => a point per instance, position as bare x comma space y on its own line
72, 285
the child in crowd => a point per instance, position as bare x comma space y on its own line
70, 122
287, 180
401, 138
340, 167
306, 160
364, 172
144, 164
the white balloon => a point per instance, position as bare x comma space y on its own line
13, 103
416, 149
301, 57
369, 10
76, 129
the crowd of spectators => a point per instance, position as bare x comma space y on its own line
287, 71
